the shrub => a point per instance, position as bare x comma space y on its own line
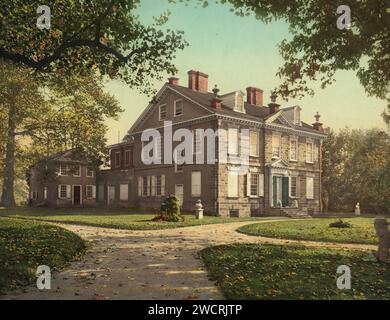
170, 210
340, 224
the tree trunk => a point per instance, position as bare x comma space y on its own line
7, 198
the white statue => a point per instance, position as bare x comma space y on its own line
199, 210
357, 209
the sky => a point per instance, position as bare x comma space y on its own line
238, 52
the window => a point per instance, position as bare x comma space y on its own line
63, 170
254, 144
297, 116
90, 172
276, 145
90, 192
45, 193
157, 185
127, 158
239, 103
293, 186
196, 184
294, 149
309, 152
309, 188
232, 185
178, 108
34, 195
162, 112
63, 191
255, 185
117, 159
233, 141
76, 171
124, 192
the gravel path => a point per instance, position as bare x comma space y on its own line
155, 264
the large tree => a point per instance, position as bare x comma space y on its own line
69, 112
104, 35
318, 48
356, 168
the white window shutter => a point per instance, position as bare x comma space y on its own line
139, 186
59, 191
309, 187
93, 192
153, 185
163, 185
261, 185
248, 185
69, 191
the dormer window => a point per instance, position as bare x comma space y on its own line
234, 100
239, 105
297, 116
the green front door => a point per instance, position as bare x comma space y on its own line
285, 191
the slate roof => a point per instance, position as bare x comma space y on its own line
70, 155
253, 112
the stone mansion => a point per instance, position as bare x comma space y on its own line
284, 166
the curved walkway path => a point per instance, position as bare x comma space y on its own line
153, 264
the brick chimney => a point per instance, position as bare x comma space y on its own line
216, 103
198, 81
173, 81
273, 106
254, 96
318, 125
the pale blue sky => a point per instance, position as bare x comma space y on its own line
239, 52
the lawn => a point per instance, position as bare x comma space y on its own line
317, 229
112, 218
24, 245
254, 271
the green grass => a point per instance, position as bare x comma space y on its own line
24, 245
112, 218
317, 229
254, 271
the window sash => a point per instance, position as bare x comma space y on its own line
276, 145
117, 159
294, 149
123, 192
63, 170
293, 186
254, 187
90, 172
63, 192
178, 108
309, 152
127, 157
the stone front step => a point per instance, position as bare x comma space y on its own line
295, 213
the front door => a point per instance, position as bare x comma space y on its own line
280, 191
76, 195
179, 192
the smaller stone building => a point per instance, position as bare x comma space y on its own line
63, 180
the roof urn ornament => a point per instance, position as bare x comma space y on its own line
317, 117
216, 91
